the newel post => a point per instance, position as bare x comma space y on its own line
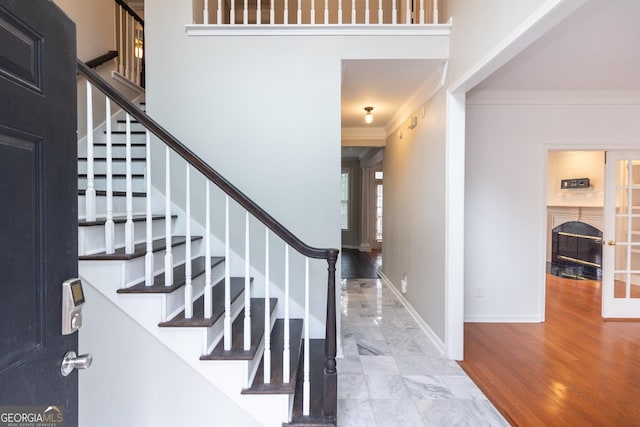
330, 373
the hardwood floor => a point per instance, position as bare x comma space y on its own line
358, 265
573, 370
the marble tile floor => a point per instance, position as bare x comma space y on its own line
392, 374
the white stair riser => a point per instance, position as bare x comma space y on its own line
139, 151
119, 166
118, 184
215, 334
119, 205
175, 300
134, 269
91, 239
123, 127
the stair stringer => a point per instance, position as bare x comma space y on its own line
230, 377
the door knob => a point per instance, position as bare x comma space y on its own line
611, 243
71, 361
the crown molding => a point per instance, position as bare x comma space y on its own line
432, 84
553, 97
363, 136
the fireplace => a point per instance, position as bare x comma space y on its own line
576, 251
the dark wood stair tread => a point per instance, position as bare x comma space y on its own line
113, 175
115, 159
120, 220
277, 386
316, 381
123, 132
82, 191
139, 250
130, 121
237, 351
198, 319
158, 287
120, 144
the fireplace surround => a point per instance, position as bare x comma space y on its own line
576, 251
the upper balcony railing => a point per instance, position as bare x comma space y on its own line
315, 12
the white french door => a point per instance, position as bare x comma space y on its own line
621, 251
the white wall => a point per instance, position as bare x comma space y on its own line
506, 193
95, 35
480, 25
575, 164
136, 381
265, 112
414, 169
413, 221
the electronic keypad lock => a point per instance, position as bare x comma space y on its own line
72, 302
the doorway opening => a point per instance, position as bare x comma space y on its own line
575, 217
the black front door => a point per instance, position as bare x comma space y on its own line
38, 205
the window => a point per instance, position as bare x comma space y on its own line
379, 212
344, 200
378, 177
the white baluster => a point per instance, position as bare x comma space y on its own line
205, 12
306, 385
267, 312
127, 65
149, 257
380, 13
394, 13
366, 11
299, 13
326, 12
339, 11
132, 56
313, 12
128, 226
258, 11
219, 13
188, 287
232, 13
272, 14
435, 11
208, 296
121, 36
168, 256
109, 226
422, 11
408, 12
90, 193
227, 280
286, 358
353, 11
245, 12
247, 286
285, 16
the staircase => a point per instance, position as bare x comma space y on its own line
224, 326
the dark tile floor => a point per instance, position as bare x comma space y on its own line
358, 265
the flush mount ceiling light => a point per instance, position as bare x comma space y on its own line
368, 118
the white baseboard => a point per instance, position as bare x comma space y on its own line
435, 339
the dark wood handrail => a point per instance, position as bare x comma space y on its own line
330, 389
99, 60
204, 168
130, 11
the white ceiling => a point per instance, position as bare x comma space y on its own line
596, 48
384, 85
